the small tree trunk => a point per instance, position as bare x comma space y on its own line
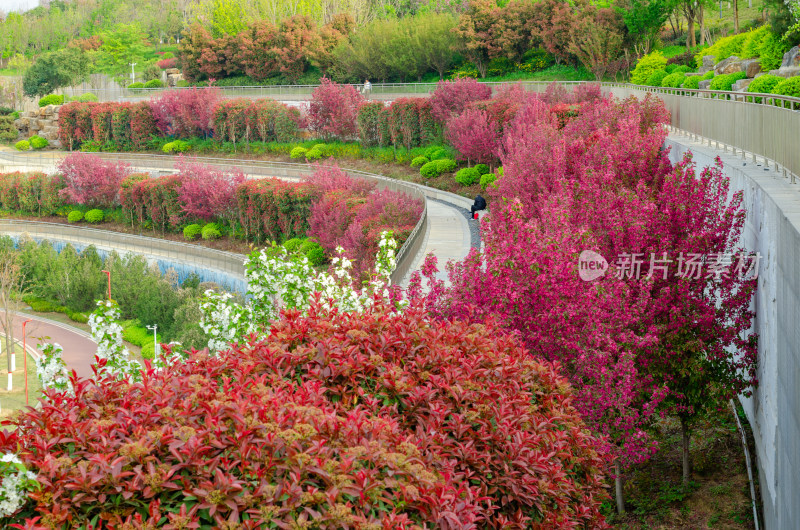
686, 463
690, 40
736, 16
701, 18
618, 488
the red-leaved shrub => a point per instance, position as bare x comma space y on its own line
475, 136
186, 113
376, 418
205, 192
31, 193
167, 63
272, 209
452, 97
90, 180
333, 110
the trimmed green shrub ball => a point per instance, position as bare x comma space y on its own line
436, 153
726, 81
298, 152
445, 165
764, 84
294, 244
75, 216
315, 254
211, 231
313, 154
136, 85
692, 82
656, 78
22, 145
51, 99
37, 142
419, 161
482, 169
430, 170
191, 232
94, 216
708, 75
487, 180
178, 146
673, 80
322, 148
86, 98
788, 87
467, 176
154, 83
645, 67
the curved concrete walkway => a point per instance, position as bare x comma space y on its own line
79, 348
448, 234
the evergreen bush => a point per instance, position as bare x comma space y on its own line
192, 231
94, 216
75, 216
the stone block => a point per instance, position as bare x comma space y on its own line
56, 143
791, 58
709, 61
172, 71
786, 71
704, 84
752, 67
741, 85
692, 74
32, 113
731, 65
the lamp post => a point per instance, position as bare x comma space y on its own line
133, 78
108, 274
153, 328
25, 358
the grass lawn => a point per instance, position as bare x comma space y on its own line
15, 400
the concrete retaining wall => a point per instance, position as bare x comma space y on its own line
772, 229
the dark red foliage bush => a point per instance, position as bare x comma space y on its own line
333, 110
452, 97
377, 418
186, 113
90, 180
272, 209
32, 193
164, 64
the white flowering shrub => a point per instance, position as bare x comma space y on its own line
51, 368
107, 333
17, 481
277, 279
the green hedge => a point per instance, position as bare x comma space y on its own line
645, 67
51, 99
726, 81
788, 87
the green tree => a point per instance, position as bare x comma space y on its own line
644, 19
55, 70
437, 40
595, 43
123, 45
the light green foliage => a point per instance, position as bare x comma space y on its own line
467, 176
430, 170
177, 146
123, 44
444, 165
771, 52
788, 87
134, 86
191, 232
51, 99
435, 153
298, 152
419, 161
293, 245
723, 48
22, 145
94, 216
154, 83
86, 98
75, 216
646, 66
726, 81
692, 82
656, 78
8, 131
313, 251
708, 75
37, 142
211, 231
322, 148
313, 154
751, 47
764, 84
487, 180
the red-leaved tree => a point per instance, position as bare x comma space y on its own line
90, 180
333, 110
206, 192
475, 136
186, 112
452, 97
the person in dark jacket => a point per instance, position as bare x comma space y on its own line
480, 204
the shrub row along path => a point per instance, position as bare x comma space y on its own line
449, 235
79, 348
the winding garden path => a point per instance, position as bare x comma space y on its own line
79, 348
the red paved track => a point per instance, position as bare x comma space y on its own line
79, 349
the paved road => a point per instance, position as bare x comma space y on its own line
79, 349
